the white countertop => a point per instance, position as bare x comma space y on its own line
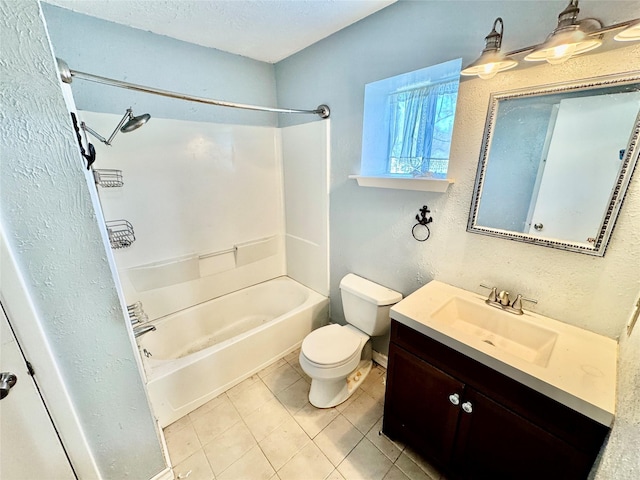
580, 373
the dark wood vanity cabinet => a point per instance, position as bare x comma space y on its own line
475, 423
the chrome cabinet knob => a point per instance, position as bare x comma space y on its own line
467, 407
454, 398
538, 226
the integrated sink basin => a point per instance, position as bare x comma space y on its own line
504, 331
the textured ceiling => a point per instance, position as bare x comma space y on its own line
266, 30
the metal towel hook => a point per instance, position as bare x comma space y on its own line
422, 234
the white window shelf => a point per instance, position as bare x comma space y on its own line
439, 185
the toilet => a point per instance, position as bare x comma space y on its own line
338, 357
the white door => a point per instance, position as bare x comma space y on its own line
580, 173
29, 446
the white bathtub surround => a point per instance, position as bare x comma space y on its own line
164, 273
194, 266
305, 154
255, 250
208, 204
202, 351
190, 187
193, 189
171, 285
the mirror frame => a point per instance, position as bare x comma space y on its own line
626, 169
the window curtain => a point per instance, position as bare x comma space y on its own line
413, 115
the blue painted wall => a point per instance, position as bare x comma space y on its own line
111, 50
371, 228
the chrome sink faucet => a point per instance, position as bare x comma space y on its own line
502, 300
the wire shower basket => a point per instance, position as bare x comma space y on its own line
108, 177
121, 234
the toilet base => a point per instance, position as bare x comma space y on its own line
329, 393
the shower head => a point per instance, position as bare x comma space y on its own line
128, 124
134, 122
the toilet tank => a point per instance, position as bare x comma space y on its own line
366, 304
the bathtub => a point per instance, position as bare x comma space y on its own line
200, 352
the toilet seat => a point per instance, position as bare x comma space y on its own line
331, 346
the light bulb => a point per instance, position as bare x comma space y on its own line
488, 71
629, 34
561, 53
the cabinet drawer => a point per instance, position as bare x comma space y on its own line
576, 429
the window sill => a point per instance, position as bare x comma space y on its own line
439, 185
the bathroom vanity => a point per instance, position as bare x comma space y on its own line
483, 393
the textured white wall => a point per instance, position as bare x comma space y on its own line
46, 210
620, 459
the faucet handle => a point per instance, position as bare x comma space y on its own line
517, 303
136, 313
493, 296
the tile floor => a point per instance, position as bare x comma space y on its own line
265, 428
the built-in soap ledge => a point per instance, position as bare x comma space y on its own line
164, 273
191, 267
255, 250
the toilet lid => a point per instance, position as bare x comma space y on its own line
330, 345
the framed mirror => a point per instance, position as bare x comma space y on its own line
556, 162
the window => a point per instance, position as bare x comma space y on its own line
420, 129
408, 123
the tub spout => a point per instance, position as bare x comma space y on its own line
141, 330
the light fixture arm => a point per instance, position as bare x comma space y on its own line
128, 115
569, 15
494, 39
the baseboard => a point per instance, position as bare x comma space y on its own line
380, 358
166, 474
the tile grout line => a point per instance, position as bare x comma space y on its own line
291, 415
242, 419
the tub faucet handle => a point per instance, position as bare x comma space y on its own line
136, 313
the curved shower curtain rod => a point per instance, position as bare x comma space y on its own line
66, 75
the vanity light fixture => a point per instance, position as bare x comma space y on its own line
571, 37
629, 34
491, 61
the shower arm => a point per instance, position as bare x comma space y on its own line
127, 115
67, 75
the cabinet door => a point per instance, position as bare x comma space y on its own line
418, 410
495, 443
